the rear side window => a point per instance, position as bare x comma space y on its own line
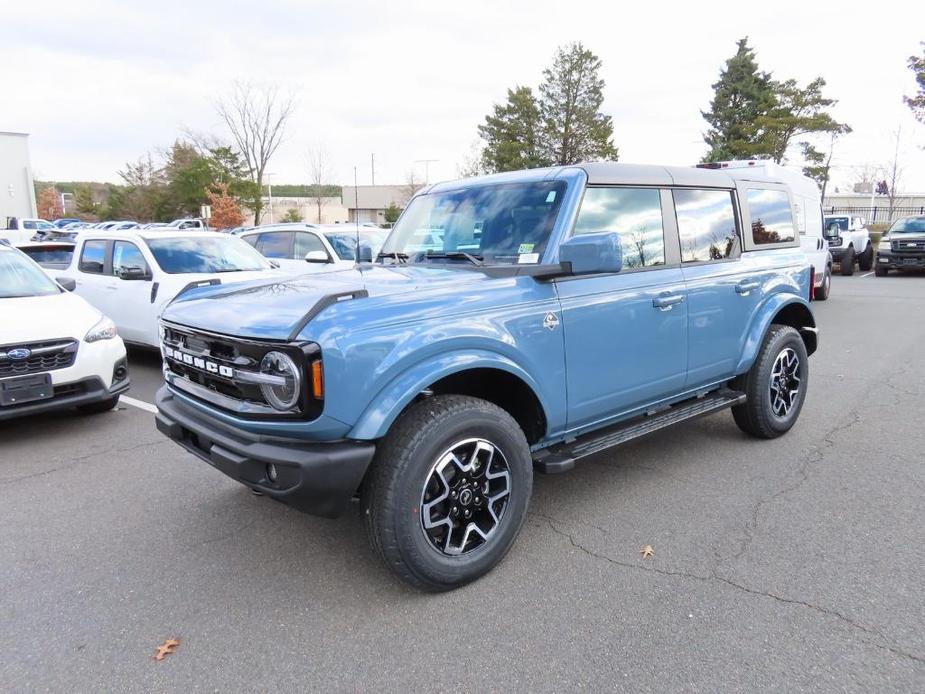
635, 214
706, 225
275, 244
772, 216
92, 257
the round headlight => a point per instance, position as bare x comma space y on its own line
283, 392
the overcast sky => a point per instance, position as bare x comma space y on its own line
100, 82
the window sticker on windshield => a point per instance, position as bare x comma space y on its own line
528, 257
551, 197
525, 248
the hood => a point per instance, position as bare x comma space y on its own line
916, 236
273, 310
40, 318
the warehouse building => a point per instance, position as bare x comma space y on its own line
17, 192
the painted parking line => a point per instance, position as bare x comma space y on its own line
140, 404
867, 275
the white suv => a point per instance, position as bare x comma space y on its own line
849, 242
56, 351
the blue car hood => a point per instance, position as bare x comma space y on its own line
273, 310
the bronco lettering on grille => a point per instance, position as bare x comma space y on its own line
198, 362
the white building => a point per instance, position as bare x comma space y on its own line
17, 191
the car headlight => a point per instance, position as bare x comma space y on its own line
283, 393
104, 329
883, 245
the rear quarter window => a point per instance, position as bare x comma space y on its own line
771, 216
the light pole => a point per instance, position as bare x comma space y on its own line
426, 163
270, 195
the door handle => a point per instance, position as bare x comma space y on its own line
744, 288
666, 301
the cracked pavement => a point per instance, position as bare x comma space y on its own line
789, 565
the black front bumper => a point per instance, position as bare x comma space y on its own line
84, 392
900, 261
314, 477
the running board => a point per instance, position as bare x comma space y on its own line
562, 457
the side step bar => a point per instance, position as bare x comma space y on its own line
562, 456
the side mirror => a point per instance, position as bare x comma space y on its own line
600, 252
365, 254
133, 272
832, 231
273, 263
67, 283
317, 257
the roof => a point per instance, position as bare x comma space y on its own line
158, 233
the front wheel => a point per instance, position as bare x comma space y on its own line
866, 259
847, 262
881, 270
448, 491
775, 386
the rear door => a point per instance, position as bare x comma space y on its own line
93, 274
625, 333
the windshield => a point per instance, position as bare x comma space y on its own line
344, 242
206, 254
20, 277
498, 224
909, 225
842, 222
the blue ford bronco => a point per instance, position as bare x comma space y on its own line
511, 323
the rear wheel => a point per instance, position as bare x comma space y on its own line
448, 491
99, 407
775, 386
847, 262
866, 259
822, 291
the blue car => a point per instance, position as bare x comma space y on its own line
511, 323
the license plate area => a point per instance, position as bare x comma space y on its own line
911, 261
16, 391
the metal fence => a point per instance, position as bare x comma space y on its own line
879, 214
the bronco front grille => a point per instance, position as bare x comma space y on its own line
37, 357
214, 368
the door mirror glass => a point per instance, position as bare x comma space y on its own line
600, 252
317, 257
832, 230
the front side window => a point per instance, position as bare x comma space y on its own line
498, 224
635, 214
275, 244
20, 277
205, 254
772, 216
92, 257
706, 225
344, 243
125, 255
306, 243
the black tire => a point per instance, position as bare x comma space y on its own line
881, 270
866, 259
823, 290
99, 407
847, 262
406, 471
757, 416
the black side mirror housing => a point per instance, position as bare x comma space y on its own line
67, 283
133, 273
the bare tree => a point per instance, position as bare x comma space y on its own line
256, 118
892, 172
319, 175
412, 185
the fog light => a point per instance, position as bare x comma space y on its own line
272, 473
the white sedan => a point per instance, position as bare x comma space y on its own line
132, 275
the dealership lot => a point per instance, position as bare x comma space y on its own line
783, 565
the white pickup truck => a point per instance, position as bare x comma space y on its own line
22, 230
849, 242
132, 275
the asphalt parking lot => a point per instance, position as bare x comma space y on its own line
791, 565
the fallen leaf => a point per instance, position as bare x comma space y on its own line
647, 551
169, 646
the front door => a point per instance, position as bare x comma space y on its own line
131, 310
625, 333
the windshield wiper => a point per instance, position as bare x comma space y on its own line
456, 255
400, 257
